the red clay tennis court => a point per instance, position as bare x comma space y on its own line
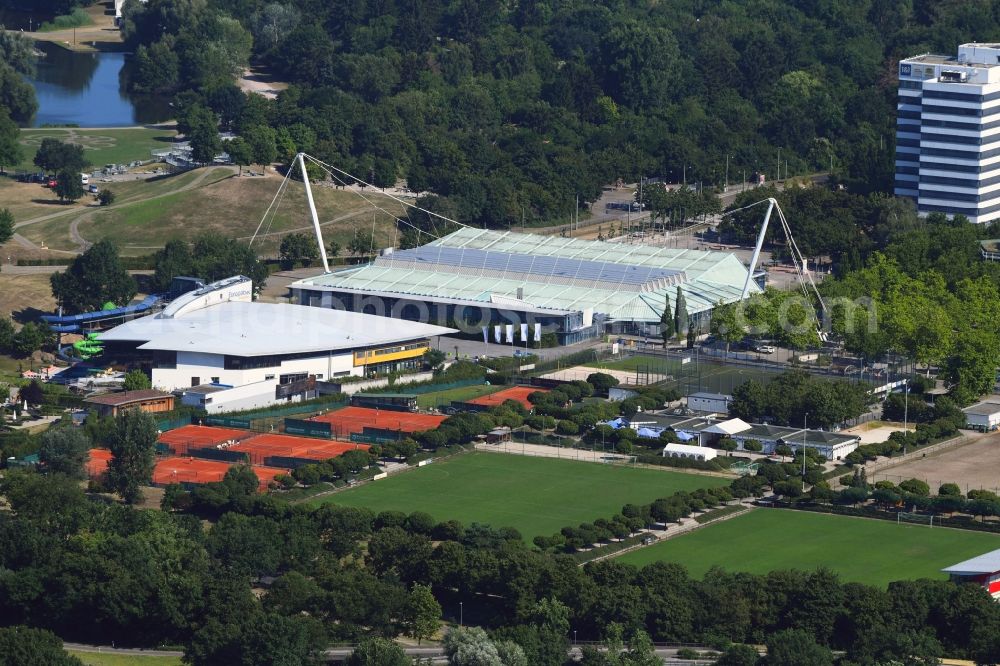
182, 470
355, 419
518, 393
193, 470
187, 437
97, 464
262, 448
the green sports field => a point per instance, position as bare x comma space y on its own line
460, 394
100, 146
704, 375
534, 495
105, 659
859, 549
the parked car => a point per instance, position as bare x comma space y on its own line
765, 349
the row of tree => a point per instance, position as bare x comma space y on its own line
632, 519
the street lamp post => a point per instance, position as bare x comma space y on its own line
906, 405
805, 421
726, 188
461, 614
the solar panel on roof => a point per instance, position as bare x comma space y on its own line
545, 265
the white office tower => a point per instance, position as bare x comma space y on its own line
948, 132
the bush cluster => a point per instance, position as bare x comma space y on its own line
633, 518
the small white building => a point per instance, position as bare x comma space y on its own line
702, 453
619, 393
714, 403
252, 354
984, 416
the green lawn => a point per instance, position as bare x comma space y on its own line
103, 659
861, 550
534, 495
101, 146
460, 394
234, 206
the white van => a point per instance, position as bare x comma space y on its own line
84, 179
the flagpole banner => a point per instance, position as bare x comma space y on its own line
496, 333
485, 334
538, 332
524, 332
510, 333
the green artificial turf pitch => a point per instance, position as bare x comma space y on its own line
534, 495
861, 550
704, 375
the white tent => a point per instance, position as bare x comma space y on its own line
729, 428
688, 451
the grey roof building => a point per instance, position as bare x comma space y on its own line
576, 288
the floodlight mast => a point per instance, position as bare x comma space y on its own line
312, 211
756, 250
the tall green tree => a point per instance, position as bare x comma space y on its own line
6, 225
172, 261
796, 647
32, 337
423, 613
667, 327
132, 443
136, 380
68, 185
362, 243
263, 144
17, 96
10, 146
297, 247
65, 451
18, 51
54, 155
94, 278
240, 152
681, 321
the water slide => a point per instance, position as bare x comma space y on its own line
73, 323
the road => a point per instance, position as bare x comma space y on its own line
339, 654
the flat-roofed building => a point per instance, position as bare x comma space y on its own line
984, 416
948, 132
252, 354
575, 289
706, 431
983, 570
714, 403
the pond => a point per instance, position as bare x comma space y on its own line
86, 89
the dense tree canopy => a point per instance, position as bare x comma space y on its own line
515, 109
793, 394
93, 279
210, 257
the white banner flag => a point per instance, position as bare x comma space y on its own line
524, 332
538, 332
510, 333
496, 333
485, 334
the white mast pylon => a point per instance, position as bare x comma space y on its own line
312, 211
756, 250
